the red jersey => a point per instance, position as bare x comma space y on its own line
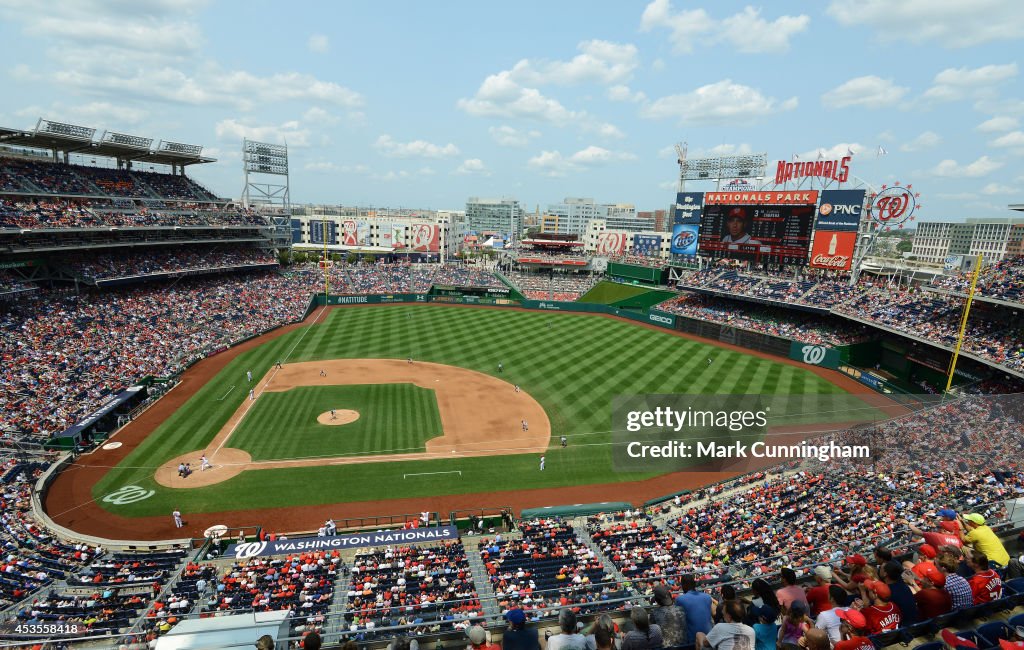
986, 587
854, 643
817, 598
882, 618
933, 602
943, 539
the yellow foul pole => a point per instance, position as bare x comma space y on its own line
963, 322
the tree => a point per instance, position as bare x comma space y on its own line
369, 259
904, 246
352, 258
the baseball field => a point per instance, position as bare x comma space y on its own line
421, 410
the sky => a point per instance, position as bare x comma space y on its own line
423, 105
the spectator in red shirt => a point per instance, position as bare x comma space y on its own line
932, 600
880, 614
817, 596
852, 630
986, 585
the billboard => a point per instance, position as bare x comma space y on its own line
688, 207
296, 231
611, 243
316, 232
684, 238
840, 210
774, 197
426, 238
397, 234
355, 233
647, 245
763, 233
833, 250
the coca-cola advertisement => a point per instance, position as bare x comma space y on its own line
833, 250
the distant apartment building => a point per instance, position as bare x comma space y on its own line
993, 238
571, 216
494, 216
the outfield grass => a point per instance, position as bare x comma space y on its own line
573, 365
606, 292
393, 418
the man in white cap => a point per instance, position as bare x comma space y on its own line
817, 596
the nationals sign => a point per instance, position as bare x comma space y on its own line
836, 170
781, 197
894, 206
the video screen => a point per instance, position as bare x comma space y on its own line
761, 233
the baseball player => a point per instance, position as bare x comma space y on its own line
501, 367
542, 463
410, 359
252, 394
564, 441
204, 464
323, 373
248, 376
178, 523
526, 426
279, 365
709, 361
334, 416
517, 388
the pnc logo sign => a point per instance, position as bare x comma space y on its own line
813, 354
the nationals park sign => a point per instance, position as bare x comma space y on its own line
247, 550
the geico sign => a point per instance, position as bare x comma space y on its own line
660, 319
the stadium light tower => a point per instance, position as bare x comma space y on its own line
260, 160
752, 166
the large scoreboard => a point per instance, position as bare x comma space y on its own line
771, 226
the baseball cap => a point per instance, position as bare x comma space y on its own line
975, 518
798, 607
853, 617
476, 635
1011, 645
928, 551
937, 578
737, 212
857, 560
880, 588
946, 512
953, 641
823, 572
515, 616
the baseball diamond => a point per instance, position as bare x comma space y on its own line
568, 367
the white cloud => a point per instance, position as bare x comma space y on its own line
926, 140
723, 102
835, 152
320, 117
403, 174
602, 129
473, 166
318, 43
415, 149
321, 166
553, 163
507, 136
751, 34
724, 150
290, 132
998, 124
600, 61
658, 65
500, 96
996, 188
868, 91
957, 196
954, 84
980, 167
745, 31
112, 116
949, 23
622, 93
1013, 139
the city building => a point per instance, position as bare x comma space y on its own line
571, 216
935, 241
486, 217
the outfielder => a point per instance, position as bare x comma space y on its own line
248, 375
542, 463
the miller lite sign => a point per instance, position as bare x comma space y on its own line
836, 170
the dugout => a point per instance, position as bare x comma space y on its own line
99, 424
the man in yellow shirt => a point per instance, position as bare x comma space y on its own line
983, 539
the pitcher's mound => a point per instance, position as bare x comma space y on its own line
341, 416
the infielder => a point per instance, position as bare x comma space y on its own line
252, 395
526, 426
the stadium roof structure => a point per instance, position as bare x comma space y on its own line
73, 139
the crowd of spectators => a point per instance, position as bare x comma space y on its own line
806, 288
177, 260
10, 283
384, 278
553, 286
1003, 280
652, 261
547, 568
817, 329
63, 354
85, 213
301, 583
428, 587
31, 176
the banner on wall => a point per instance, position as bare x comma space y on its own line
833, 250
688, 207
611, 243
840, 209
647, 245
684, 238
426, 238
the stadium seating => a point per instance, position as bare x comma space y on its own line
557, 286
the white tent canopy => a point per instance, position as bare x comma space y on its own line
237, 630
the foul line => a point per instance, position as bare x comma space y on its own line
267, 383
454, 471
227, 393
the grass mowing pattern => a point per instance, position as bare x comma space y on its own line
572, 364
393, 418
606, 292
